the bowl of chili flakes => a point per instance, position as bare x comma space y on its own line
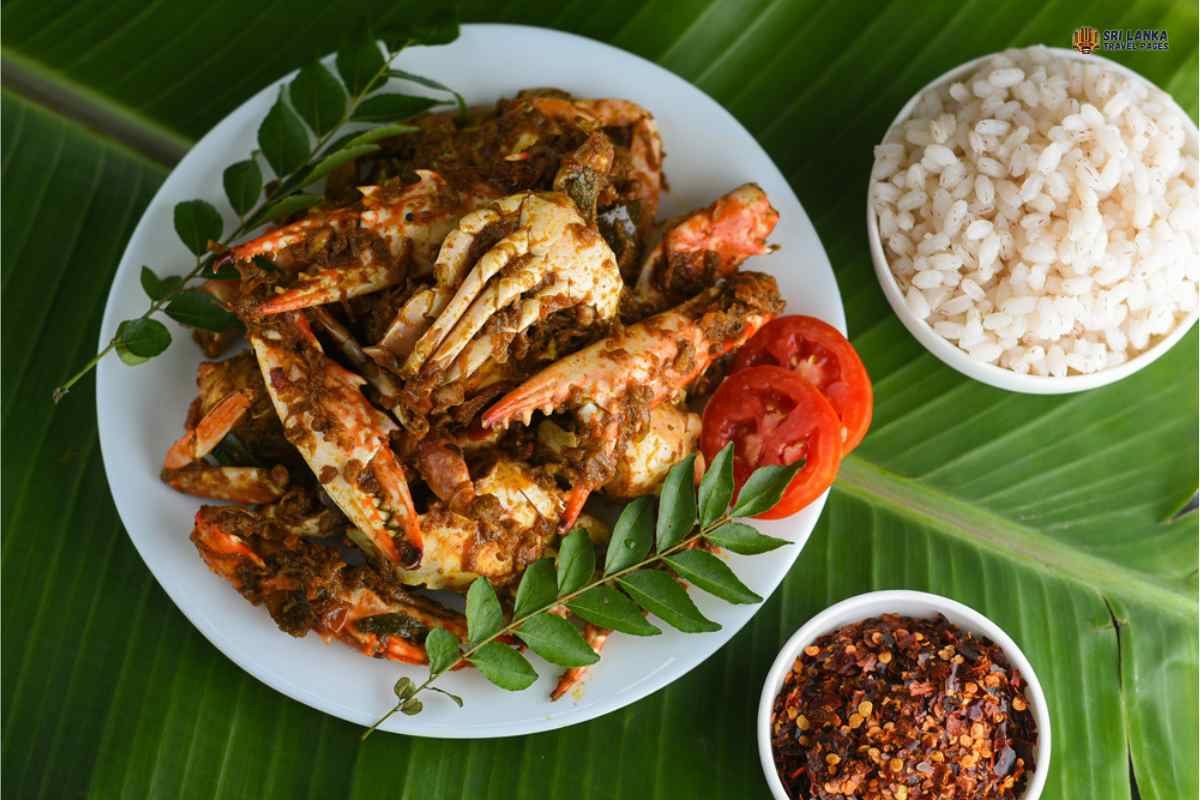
900, 695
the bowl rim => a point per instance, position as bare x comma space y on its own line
863, 606
950, 354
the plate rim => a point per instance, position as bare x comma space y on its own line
326, 703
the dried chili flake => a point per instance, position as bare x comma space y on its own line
895, 708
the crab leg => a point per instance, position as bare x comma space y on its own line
235, 484
410, 322
343, 437
273, 242
380, 380
707, 244
376, 241
208, 433
306, 586
333, 284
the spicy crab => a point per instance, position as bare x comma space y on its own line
483, 328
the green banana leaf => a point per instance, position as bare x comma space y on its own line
1059, 517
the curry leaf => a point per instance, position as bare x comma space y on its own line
712, 575
157, 288
442, 648
199, 309
457, 700
537, 588
484, 616
437, 26
359, 63
557, 641
658, 593
318, 97
286, 207
631, 535
391, 107
430, 83
604, 606
283, 138
138, 340
377, 133
576, 561
197, 223
743, 539
243, 184
763, 489
503, 666
716, 487
677, 504
334, 160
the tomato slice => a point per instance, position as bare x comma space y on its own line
774, 416
819, 353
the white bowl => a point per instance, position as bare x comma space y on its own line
949, 353
910, 604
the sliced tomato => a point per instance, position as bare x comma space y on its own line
774, 416
819, 353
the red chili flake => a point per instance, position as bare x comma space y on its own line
895, 708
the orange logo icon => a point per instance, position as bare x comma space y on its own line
1085, 39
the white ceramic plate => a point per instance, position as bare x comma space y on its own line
141, 409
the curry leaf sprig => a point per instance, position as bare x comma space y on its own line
297, 141
629, 583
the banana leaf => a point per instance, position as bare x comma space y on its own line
1062, 518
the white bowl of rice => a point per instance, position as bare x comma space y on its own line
1034, 220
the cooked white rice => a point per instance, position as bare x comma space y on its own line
1042, 214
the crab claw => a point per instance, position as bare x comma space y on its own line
707, 245
610, 384
342, 437
268, 555
361, 248
657, 357
550, 260
637, 125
